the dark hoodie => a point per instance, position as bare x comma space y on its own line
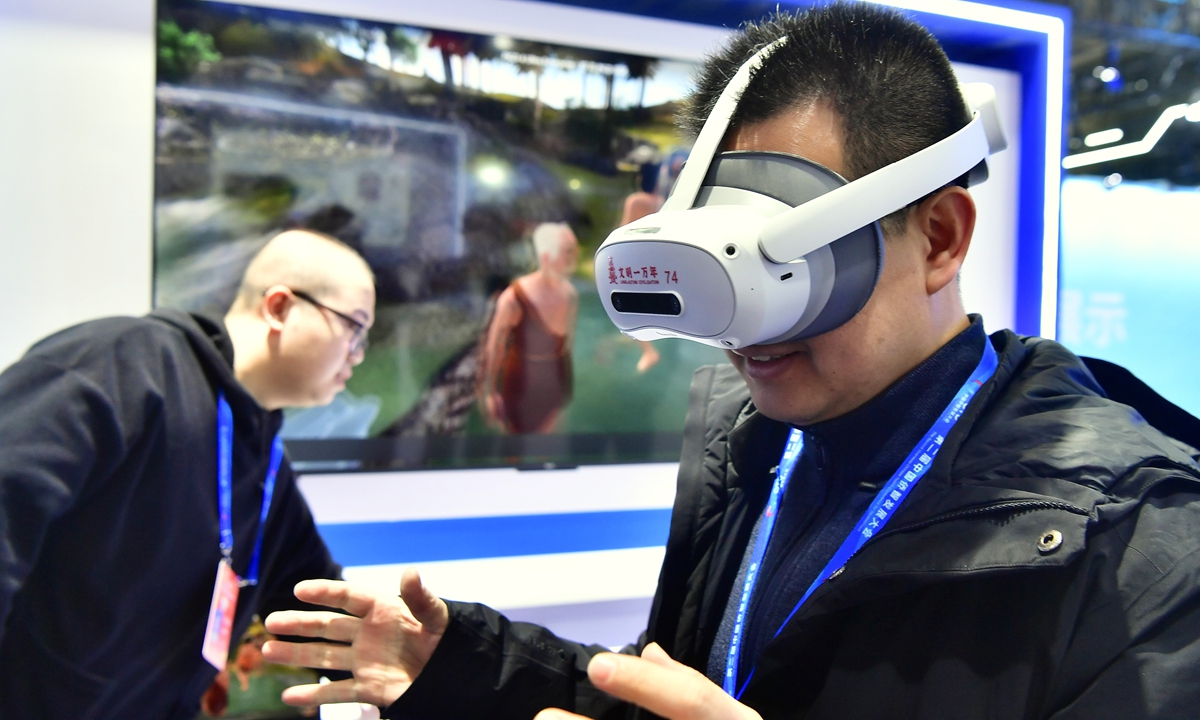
108, 518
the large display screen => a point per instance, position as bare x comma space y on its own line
1130, 288
440, 156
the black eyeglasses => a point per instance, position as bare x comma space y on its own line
359, 340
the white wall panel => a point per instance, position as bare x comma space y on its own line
76, 164
440, 494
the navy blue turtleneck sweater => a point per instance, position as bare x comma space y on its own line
844, 463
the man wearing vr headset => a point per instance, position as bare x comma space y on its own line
881, 511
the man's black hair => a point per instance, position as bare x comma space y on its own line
886, 77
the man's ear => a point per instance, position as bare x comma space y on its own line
947, 220
277, 302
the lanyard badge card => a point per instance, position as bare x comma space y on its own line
221, 611
220, 616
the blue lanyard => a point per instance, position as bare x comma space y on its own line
225, 487
877, 515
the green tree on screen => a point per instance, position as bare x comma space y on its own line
180, 53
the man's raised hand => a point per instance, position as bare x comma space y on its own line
385, 641
659, 684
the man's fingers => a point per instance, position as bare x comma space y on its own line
426, 607
325, 625
655, 654
676, 693
556, 714
313, 695
336, 594
312, 655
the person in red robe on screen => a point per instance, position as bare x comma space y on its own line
527, 376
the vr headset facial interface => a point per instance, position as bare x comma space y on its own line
765, 247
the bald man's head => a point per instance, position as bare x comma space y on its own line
300, 319
557, 249
301, 260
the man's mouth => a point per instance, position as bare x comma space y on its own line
762, 357
767, 366
768, 359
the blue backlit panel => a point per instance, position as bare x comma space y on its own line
1131, 280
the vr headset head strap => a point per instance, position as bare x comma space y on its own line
801, 230
687, 186
818, 222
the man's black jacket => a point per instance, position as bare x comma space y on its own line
955, 611
108, 518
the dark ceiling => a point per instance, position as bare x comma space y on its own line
1154, 46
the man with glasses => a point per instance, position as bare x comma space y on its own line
139, 460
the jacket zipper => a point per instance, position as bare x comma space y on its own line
1010, 505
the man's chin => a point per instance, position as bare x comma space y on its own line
786, 397
318, 399
333, 391
783, 410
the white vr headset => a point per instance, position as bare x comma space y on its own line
765, 247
